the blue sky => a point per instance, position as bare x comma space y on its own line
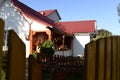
103, 11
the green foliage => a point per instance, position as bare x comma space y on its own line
47, 50
48, 44
102, 33
4, 62
47, 47
3, 76
34, 54
118, 8
4, 65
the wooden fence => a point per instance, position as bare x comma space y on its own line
63, 63
16, 55
102, 59
58, 66
1, 42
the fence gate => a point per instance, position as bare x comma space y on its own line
1, 43
16, 57
103, 59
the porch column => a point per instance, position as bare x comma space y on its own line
49, 34
31, 40
63, 42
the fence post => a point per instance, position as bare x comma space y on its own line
114, 58
101, 59
108, 58
90, 61
1, 43
118, 56
16, 57
35, 69
105, 54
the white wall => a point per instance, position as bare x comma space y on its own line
79, 42
13, 20
36, 26
63, 53
1, 2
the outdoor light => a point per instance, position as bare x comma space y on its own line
26, 37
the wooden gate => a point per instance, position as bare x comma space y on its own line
16, 57
103, 59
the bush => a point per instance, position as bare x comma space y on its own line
3, 75
47, 47
49, 51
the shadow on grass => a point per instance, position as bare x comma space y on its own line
47, 75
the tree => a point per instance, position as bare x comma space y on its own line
118, 9
102, 33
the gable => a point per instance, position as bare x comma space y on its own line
30, 13
52, 14
13, 19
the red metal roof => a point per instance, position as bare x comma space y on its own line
29, 12
72, 27
69, 27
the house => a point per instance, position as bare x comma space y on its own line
32, 26
27, 23
81, 31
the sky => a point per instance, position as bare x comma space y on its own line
103, 11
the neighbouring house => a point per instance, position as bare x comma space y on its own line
33, 26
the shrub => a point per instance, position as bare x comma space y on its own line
47, 47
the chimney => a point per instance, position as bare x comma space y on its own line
43, 13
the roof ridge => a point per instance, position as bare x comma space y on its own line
48, 10
78, 21
18, 4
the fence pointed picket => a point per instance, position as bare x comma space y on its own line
108, 73
101, 59
114, 58
90, 56
1, 42
118, 58
16, 57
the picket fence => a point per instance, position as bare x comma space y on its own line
56, 65
1, 42
102, 59
63, 63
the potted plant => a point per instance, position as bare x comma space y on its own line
47, 47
